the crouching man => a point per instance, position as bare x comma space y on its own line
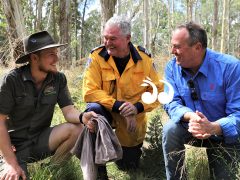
28, 96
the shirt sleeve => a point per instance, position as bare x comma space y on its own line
6, 95
64, 97
176, 108
230, 124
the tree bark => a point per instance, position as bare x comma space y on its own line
107, 11
39, 15
224, 27
119, 7
64, 25
146, 24
16, 30
214, 27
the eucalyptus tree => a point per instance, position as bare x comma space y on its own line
215, 24
107, 11
16, 30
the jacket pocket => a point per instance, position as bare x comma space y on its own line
108, 81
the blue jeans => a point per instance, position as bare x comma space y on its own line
223, 158
99, 109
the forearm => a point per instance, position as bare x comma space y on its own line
177, 111
100, 97
71, 114
216, 129
5, 145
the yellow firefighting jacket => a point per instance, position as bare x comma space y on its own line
103, 84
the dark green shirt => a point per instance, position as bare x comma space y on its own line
29, 110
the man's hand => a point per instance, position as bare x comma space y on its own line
131, 123
86, 119
128, 109
13, 172
203, 128
189, 116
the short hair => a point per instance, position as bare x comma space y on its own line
122, 22
196, 33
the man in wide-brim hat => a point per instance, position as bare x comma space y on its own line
28, 96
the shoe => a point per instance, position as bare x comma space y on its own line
102, 173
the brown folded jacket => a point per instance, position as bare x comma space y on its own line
106, 147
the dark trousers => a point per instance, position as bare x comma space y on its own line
131, 155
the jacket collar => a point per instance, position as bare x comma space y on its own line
134, 53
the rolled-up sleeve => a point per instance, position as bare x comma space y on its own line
176, 108
230, 124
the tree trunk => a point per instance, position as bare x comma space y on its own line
146, 24
119, 6
169, 23
214, 27
54, 22
224, 26
107, 11
64, 26
16, 31
39, 15
82, 28
76, 32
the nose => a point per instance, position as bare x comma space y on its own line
107, 41
173, 50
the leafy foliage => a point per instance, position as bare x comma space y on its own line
153, 161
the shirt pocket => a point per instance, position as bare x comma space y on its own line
49, 99
24, 101
214, 100
108, 81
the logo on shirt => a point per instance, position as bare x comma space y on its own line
49, 90
212, 86
163, 97
89, 60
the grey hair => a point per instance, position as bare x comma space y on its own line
122, 22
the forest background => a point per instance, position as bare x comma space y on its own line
73, 22
80, 22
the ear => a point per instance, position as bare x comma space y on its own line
129, 37
33, 57
198, 46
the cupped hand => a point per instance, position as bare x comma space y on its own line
127, 109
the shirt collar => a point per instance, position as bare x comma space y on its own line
26, 73
134, 53
203, 68
27, 76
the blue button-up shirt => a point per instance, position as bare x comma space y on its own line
217, 84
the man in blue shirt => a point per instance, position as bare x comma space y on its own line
205, 110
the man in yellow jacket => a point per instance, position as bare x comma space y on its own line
112, 87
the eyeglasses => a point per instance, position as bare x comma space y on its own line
194, 95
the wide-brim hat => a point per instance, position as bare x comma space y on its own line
36, 42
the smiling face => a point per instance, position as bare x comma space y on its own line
186, 55
46, 60
115, 42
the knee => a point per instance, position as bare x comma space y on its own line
73, 130
173, 131
97, 108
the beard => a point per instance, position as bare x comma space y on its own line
47, 70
